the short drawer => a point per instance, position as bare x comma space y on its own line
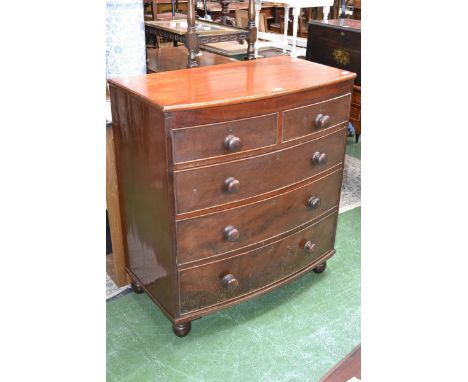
209, 186
222, 139
207, 285
307, 120
208, 235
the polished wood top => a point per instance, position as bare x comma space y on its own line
242, 81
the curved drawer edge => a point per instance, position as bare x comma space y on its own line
193, 315
240, 251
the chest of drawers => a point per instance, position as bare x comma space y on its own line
229, 179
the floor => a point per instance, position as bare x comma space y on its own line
295, 333
353, 148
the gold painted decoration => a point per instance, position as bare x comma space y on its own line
341, 56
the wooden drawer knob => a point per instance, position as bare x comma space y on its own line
231, 233
231, 184
232, 143
319, 158
230, 282
322, 121
309, 247
313, 202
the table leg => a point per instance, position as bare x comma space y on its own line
285, 27
154, 9
296, 12
191, 39
258, 7
252, 26
326, 11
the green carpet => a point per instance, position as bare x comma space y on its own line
294, 333
353, 148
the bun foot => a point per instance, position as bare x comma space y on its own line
182, 330
136, 287
320, 268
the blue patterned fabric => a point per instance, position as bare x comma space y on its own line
351, 130
125, 38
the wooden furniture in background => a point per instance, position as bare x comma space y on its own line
203, 32
214, 10
167, 59
159, 7
230, 179
115, 262
355, 112
338, 43
296, 5
348, 368
163, 10
356, 4
242, 20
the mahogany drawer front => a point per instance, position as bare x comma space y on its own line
307, 120
204, 187
204, 285
207, 141
205, 236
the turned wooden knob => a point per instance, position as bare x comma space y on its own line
231, 184
313, 202
319, 158
230, 282
232, 143
231, 233
322, 121
309, 247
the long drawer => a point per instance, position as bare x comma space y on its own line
222, 139
308, 120
207, 186
208, 235
224, 280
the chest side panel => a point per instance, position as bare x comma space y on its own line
145, 196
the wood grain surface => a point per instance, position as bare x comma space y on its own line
300, 122
259, 222
202, 286
231, 83
207, 141
204, 186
